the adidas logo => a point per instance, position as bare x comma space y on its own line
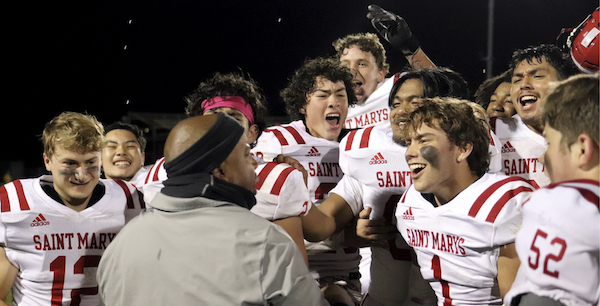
377, 159
39, 221
508, 148
408, 215
313, 152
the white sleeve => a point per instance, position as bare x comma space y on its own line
267, 147
281, 192
352, 191
495, 154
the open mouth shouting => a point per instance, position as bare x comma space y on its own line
358, 90
527, 101
333, 119
415, 169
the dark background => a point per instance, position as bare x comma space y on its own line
113, 57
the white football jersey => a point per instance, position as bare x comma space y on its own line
521, 149
320, 158
153, 183
139, 179
376, 176
458, 243
56, 248
558, 244
375, 109
280, 192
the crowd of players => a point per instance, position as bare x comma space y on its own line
395, 189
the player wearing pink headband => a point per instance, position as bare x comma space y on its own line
237, 103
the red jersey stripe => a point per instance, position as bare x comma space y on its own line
279, 136
21, 195
281, 179
488, 192
4, 201
350, 139
295, 134
503, 200
141, 198
262, 176
364, 140
127, 193
590, 196
156, 171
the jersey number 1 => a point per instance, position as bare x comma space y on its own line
58, 266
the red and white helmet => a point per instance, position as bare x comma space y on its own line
583, 43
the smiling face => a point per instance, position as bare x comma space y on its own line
530, 85
326, 109
500, 103
75, 175
367, 74
432, 159
122, 157
407, 99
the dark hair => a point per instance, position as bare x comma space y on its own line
572, 108
304, 83
437, 82
228, 84
367, 42
134, 129
487, 88
553, 55
456, 118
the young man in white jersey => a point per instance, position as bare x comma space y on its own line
282, 195
124, 155
365, 56
55, 228
458, 218
534, 68
375, 176
317, 99
559, 240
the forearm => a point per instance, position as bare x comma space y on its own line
419, 60
508, 265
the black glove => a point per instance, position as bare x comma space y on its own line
394, 29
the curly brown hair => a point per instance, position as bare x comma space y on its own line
304, 82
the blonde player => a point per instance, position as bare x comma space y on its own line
559, 240
458, 218
55, 228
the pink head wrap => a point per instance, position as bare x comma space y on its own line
234, 102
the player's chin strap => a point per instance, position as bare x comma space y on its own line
190, 172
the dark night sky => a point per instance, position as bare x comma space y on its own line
72, 56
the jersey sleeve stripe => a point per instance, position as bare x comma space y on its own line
364, 140
350, 140
262, 176
590, 196
21, 195
127, 193
295, 134
488, 192
157, 170
503, 200
4, 201
280, 180
279, 136
141, 198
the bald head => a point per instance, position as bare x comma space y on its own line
186, 133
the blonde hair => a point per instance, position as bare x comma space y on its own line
72, 131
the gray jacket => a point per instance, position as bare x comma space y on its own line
198, 251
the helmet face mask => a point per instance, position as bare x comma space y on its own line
584, 44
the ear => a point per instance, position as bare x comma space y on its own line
585, 151
218, 173
252, 133
46, 159
381, 75
464, 152
143, 159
